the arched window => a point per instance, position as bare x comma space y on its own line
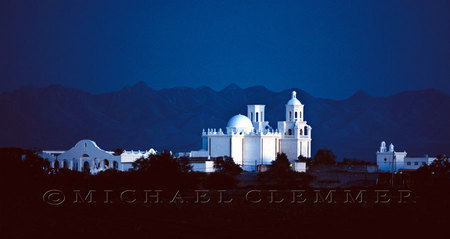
56, 164
296, 114
251, 116
74, 164
85, 156
306, 130
290, 131
290, 115
115, 165
301, 132
86, 167
106, 163
256, 117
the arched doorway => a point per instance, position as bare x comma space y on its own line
86, 167
106, 164
115, 165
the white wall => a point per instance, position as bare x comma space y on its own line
252, 152
269, 153
305, 149
236, 149
220, 146
386, 164
199, 154
299, 167
415, 163
203, 166
126, 166
384, 161
290, 147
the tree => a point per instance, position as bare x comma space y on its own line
306, 160
118, 151
324, 156
281, 164
281, 173
141, 164
158, 164
36, 163
437, 171
185, 166
219, 180
226, 165
440, 166
224, 176
353, 161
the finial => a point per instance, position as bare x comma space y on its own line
294, 94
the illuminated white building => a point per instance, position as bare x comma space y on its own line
388, 160
249, 140
86, 156
252, 142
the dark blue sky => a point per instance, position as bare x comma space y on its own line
328, 48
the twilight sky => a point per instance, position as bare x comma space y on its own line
328, 48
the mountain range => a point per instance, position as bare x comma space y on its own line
139, 117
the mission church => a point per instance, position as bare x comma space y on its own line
252, 142
249, 140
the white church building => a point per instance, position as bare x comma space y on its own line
249, 140
86, 156
253, 143
388, 160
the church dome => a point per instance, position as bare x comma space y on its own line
294, 100
240, 122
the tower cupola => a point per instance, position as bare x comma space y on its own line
294, 109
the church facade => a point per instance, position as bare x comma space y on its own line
86, 156
388, 160
252, 142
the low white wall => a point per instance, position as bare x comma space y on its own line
300, 167
203, 166
199, 154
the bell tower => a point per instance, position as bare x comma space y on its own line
295, 132
256, 114
294, 109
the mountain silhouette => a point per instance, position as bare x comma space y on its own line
139, 117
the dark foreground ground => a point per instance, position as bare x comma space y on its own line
27, 215
27, 211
